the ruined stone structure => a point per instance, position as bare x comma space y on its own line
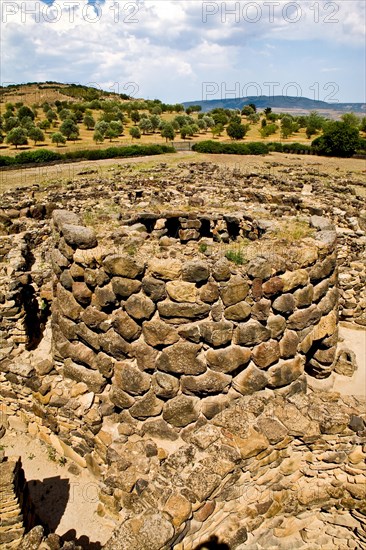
177, 373
171, 339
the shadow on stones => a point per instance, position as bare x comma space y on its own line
35, 317
49, 499
82, 541
213, 544
172, 227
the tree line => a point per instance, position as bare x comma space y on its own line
63, 119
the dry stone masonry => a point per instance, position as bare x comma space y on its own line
168, 349
168, 338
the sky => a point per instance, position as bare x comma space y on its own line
186, 50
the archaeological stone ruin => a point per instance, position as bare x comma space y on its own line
163, 329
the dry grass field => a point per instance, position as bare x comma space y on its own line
85, 140
273, 163
35, 95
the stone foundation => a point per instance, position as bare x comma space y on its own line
171, 339
178, 371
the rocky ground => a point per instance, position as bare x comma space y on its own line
107, 198
118, 203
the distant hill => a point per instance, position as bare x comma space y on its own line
39, 92
279, 102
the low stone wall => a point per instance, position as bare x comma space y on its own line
24, 296
12, 488
13, 283
181, 383
352, 279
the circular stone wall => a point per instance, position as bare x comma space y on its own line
180, 334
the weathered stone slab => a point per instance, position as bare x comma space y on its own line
181, 358
284, 303
272, 286
92, 378
216, 333
123, 266
266, 353
140, 306
79, 236
250, 333
67, 303
209, 292
238, 312
285, 372
96, 319
234, 291
81, 293
113, 344
205, 384
130, 379
167, 270
149, 531
60, 217
181, 410
259, 268
124, 287
165, 385
154, 288
276, 324
304, 318
228, 359
181, 291
293, 279
188, 311
195, 271
157, 333
125, 326
221, 270
250, 380
288, 344
104, 297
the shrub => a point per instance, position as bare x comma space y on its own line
208, 146
257, 148
251, 148
236, 256
45, 155
40, 156
338, 140
6, 161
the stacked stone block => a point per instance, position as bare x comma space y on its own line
12, 484
161, 338
13, 280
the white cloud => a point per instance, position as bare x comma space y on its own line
164, 45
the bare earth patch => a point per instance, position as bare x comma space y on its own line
355, 340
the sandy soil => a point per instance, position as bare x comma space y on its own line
355, 340
64, 501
